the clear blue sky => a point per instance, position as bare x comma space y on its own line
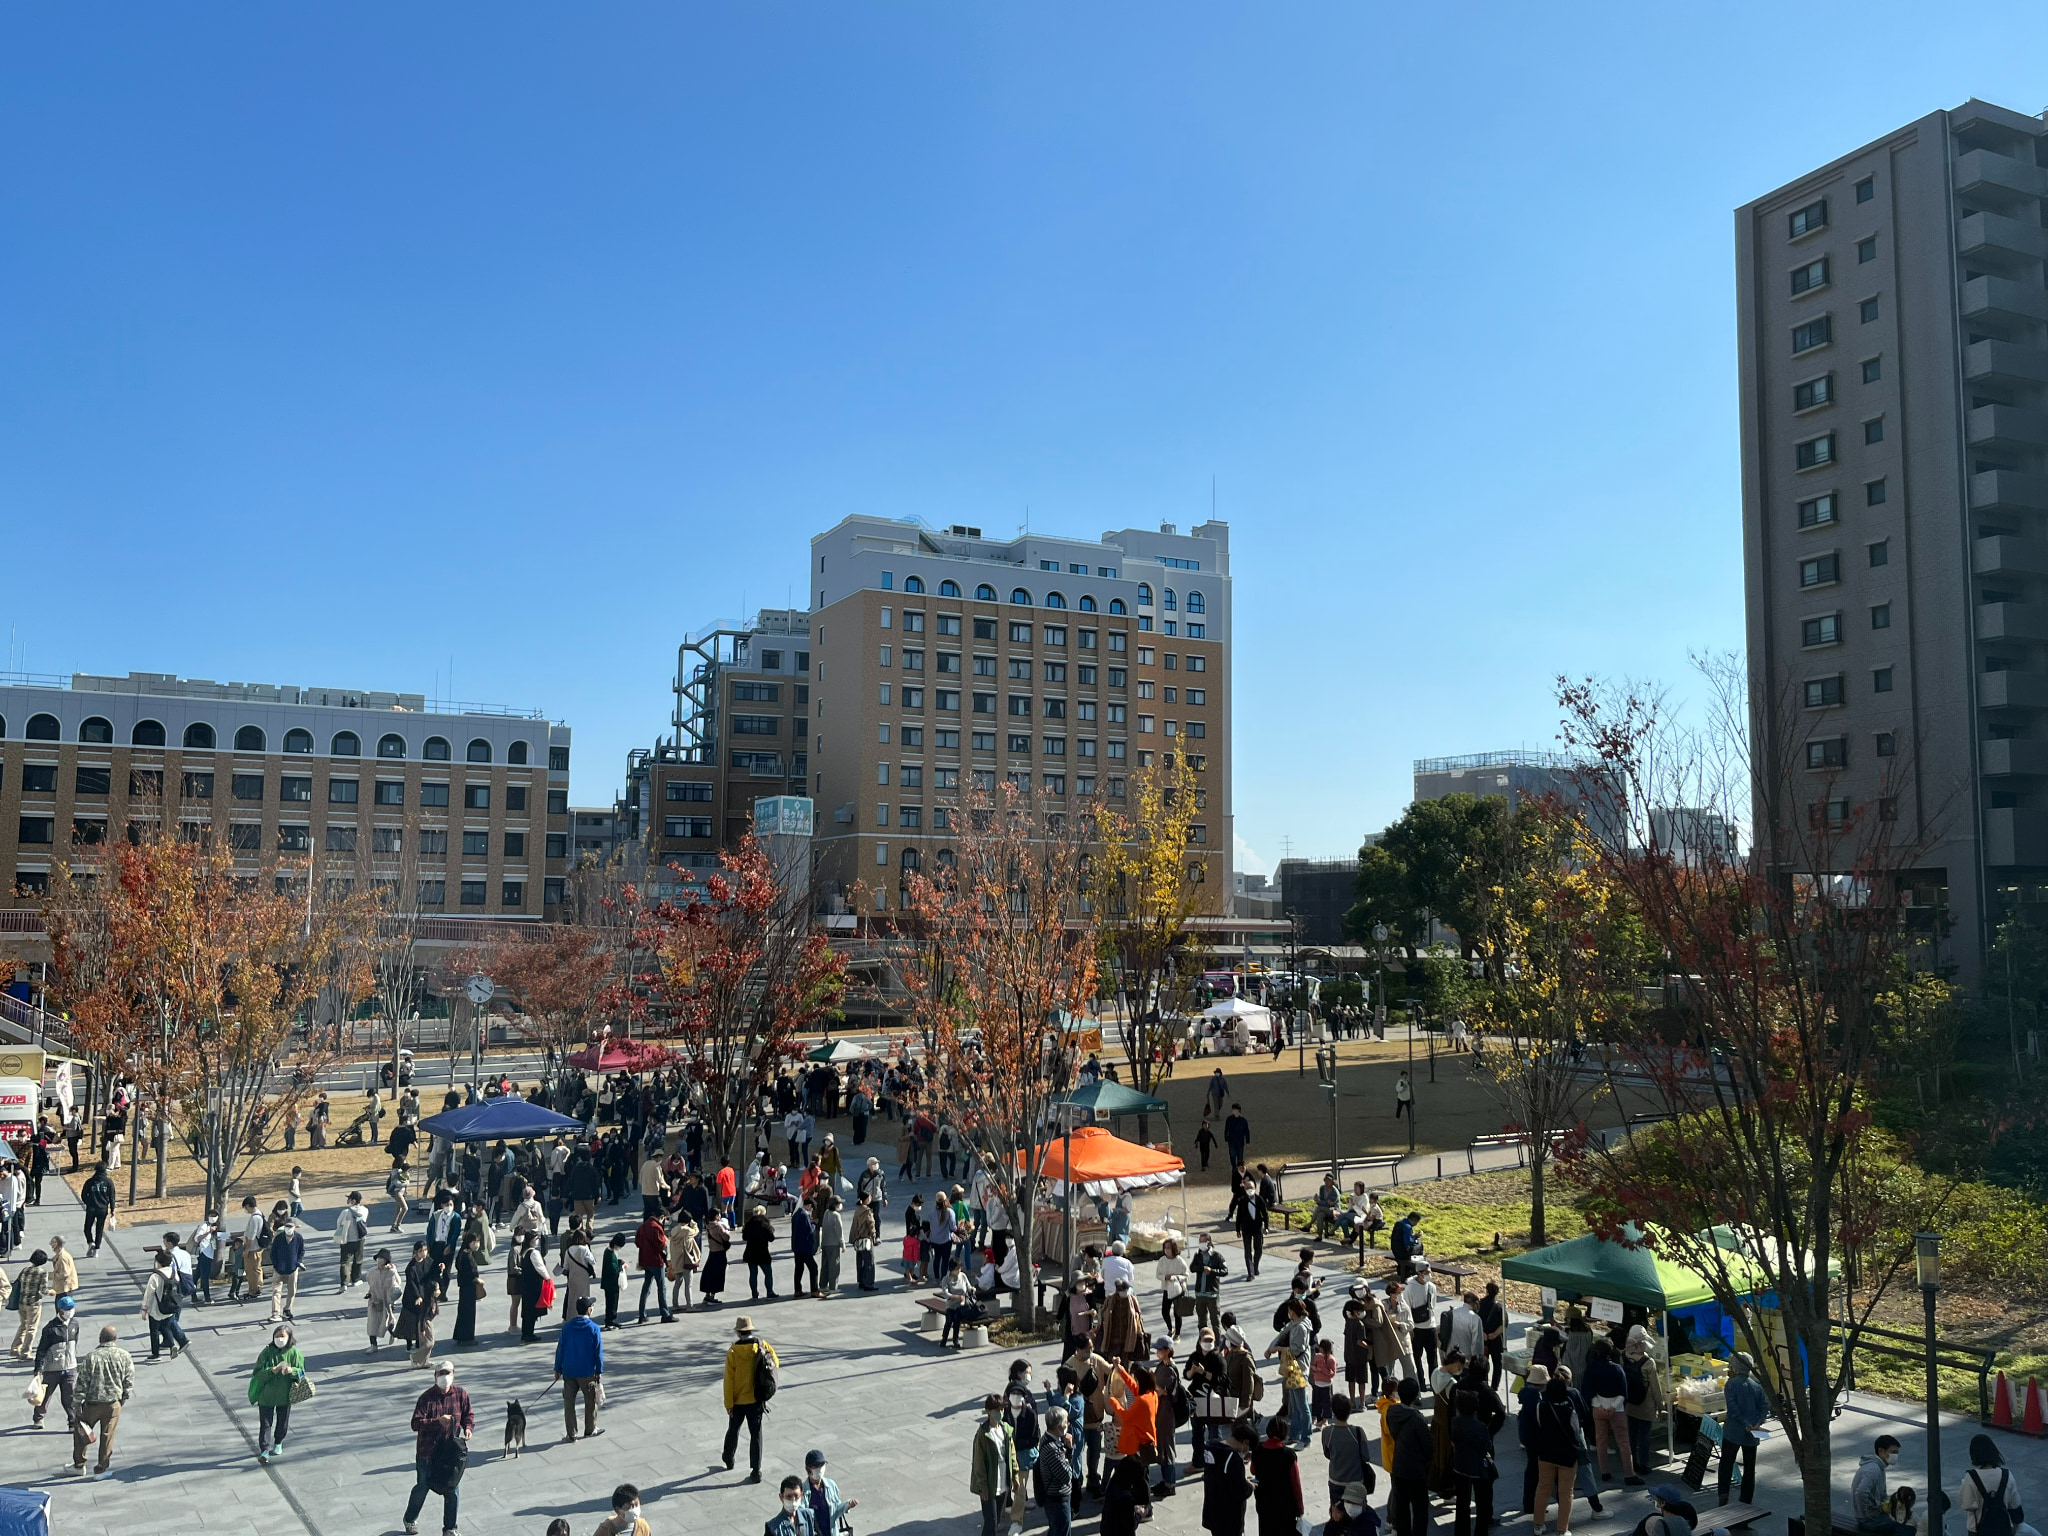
339, 341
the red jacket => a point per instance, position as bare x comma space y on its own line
652, 1242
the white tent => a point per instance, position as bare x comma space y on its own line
1238, 1019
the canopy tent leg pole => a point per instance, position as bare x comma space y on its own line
1670, 1405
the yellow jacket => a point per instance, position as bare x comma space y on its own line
739, 1370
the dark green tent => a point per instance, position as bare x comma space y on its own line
1107, 1098
1592, 1266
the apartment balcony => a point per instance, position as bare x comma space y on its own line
2001, 301
2004, 759
2015, 836
2008, 490
1991, 234
1989, 174
2004, 362
2012, 690
2008, 426
2008, 555
2012, 621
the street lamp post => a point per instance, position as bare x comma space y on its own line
1379, 939
1927, 1254
1414, 1020
1326, 1069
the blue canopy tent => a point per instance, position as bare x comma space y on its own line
499, 1120
24, 1512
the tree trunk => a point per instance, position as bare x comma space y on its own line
1022, 1214
1538, 1156
1816, 1478
158, 1140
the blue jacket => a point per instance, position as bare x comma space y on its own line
287, 1252
803, 1236
1746, 1407
786, 1524
579, 1349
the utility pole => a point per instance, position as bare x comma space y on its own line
1326, 1071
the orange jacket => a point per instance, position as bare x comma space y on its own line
1137, 1421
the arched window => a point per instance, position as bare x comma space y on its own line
984, 593
436, 749
910, 861
947, 858
1166, 600
516, 754
1144, 594
1087, 603
1195, 603
3, 725
479, 751
1055, 600
298, 741
346, 744
147, 733
1021, 598
1116, 605
949, 589
913, 583
249, 739
392, 745
42, 728
199, 736
97, 729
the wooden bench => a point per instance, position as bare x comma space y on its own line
1727, 1517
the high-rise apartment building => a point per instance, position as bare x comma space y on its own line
472, 805
1894, 379
945, 661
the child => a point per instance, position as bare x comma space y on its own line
298, 1206
1322, 1372
611, 1270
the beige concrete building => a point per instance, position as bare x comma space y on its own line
1894, 379
947, 660
469, 807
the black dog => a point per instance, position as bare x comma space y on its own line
515, 1428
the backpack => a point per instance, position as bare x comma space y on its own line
765, 1381
1994, 1519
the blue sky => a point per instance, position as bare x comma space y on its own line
341, 343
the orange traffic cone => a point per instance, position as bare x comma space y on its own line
2033, 1423
2001, 1404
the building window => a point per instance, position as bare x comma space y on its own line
1823, 692
434, 795
515, 797
1866, 189
1055, 709
945, 778
1813, 275
341, 791
983, 741
757, 693
294, 839
1815, 452
1814, 333
558, 759
341, 839
1019, 742
1020, 634
198, 786
1866, 311
246, 836
1881, 680
38, 829
1866, 250
1020, 597
913, 698
1055, 600
1820, 571
984, 704
390, 792
1833, 753
910, 777
1806, 220
558, 845
686, 826
1053, 746
1881, 616
248, 739
1817, 511
1825, 630
515, 845
756, 725
148, 733
387, 746
551, 890
1144, 621
1887, 744
476, 797
435, 750
949, 699
949, 623
558, 802
1873, 369
1881, 552
345, 744
293, 787
1055, 634
474, 893
479, 751
881, 773
1874, 493
387, 839
1873, 430
1020, 704
32, 882
1196, 727
476, 845
1144, 725
910, 816
687, 790
1814, 392
1055, 783
41, 778
433, 893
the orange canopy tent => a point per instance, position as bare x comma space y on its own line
1106, 1164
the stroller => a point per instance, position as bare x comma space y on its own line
768, 1181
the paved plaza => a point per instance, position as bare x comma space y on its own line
893, 1412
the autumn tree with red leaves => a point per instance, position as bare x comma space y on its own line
557, 975
732, 969
1763, 1057
1013, 954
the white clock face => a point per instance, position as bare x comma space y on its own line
480, 990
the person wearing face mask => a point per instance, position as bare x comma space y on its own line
795, 1518
442, 1421
1208, 1268
278, 1368
625, 1518
821, 1495
994, 1478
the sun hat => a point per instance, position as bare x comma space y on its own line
743, 1324
1539, 1376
